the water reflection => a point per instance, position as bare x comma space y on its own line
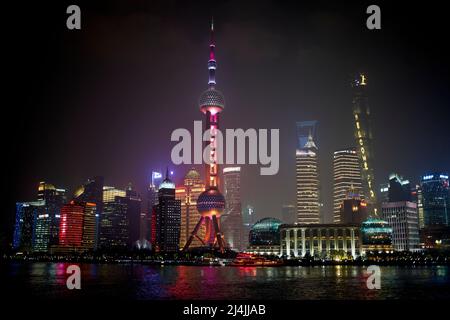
131, 281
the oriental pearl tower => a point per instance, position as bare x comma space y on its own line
211, 203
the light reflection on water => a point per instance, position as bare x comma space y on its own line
194, 282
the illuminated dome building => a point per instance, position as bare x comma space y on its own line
264, 237
211, 203
376, 236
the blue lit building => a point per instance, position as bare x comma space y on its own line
436, 199
264, 237
376, 235
24, 224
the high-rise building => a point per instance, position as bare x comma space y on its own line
308, 205
24, 224
188, 194
288, 214
232, 222
120, 219
347, 177
211, 202
249, 215
436, 199
168, 218
418, 198
77, 226
363, 136
46, 223
113, 219
403, 218
152, 200
92, 191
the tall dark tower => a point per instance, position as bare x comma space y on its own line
363, 136
211, 203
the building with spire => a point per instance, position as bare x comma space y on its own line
308, 203
211, 202
364, 138
188, 194
167, 218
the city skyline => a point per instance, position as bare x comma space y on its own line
136, 165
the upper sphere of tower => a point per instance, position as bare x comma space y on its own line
211, 99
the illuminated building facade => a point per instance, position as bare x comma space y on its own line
46, 223
232, 222
168, 218
211, 202
307, 177
363, 136
376, 235
92, 191
436, 199
152, 200
120, 219
25, 223
264, 237
77, 226
188, 194
322, 241
346, 178
403, 218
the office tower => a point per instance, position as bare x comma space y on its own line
133, 200
152, 200
308, 206
211, 202
288, 213
232, 222
113, 220
46, 224
418, 198
363, 136
24, 223
77, 226
403, 218
353, 210
188, 194
168, 218
347, 177
92, 191
436, 199
249, 215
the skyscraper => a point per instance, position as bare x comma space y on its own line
113, 220
152, 200
353, 210
211, 202
188, 194
25, 223
46, 224
77, 226
168, 218
363, 137
92, 191
347, 177
308, 205
436, 199
232, 222
403, 218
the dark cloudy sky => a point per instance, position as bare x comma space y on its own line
104, 100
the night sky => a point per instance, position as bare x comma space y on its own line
104, 100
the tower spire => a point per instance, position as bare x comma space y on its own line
212, 65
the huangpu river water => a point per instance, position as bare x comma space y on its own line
147, 282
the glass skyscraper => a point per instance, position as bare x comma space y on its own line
436, 199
